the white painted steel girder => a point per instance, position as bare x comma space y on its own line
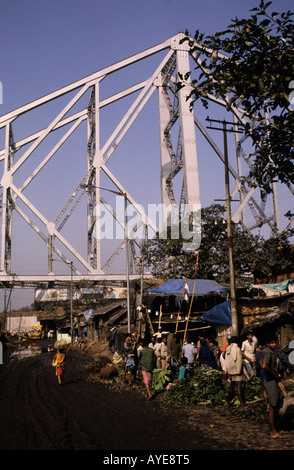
174, 117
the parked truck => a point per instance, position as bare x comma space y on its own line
36, 332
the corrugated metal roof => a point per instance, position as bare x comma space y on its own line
106, 309
116, 316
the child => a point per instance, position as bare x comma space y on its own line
117, 358
182, 374
183, 370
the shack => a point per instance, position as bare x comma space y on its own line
99, 321
203, 306
261, 315
178, 304
278, 319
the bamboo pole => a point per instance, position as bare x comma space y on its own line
150, 323
188, 317
191, 302
194, 329
178, 317
160, 314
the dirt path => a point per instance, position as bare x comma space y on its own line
37, 414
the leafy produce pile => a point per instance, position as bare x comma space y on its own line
206, 386
203, 386
160, 379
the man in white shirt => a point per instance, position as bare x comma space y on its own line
248, 352
164, 353
157, 353
189, 351
234, 366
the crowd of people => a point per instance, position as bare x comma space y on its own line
166, 355
238, 361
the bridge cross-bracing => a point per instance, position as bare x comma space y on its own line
178, 156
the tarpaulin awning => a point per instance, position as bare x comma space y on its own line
280, 285
177, 286
220, 313
278, 288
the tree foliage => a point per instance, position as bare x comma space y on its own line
251, 65
264, 259
167, 258
274, 257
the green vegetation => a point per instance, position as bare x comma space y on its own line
160, 379
264, 259
206, 386
250, 65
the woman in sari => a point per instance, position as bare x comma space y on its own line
59, 364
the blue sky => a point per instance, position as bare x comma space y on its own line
47, 45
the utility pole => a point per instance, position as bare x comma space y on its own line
69, 263
71, 301
234, 314
127, 264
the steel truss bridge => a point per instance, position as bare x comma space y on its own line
178, 158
